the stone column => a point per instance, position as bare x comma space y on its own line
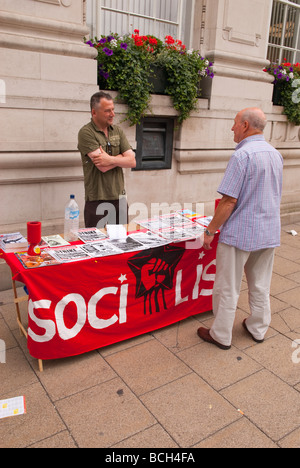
233, 34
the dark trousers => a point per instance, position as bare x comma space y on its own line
100, 213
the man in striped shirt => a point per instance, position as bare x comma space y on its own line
249, 218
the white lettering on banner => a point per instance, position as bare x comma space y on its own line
95, 322
48, 325
208, 277
178, 298
196, 287
69, 333
196, 294
89, 312
123, 304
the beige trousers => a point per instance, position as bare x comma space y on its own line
231, 265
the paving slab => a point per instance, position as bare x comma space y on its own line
167, 389
268, 402
104, 415
190, 409
147, 366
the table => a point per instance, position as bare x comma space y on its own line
77, 307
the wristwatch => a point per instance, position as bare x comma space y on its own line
209, 233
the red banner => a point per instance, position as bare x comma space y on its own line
78, 307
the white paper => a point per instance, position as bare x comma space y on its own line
12, 407
116, 231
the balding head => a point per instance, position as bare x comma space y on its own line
249, 122
255, 117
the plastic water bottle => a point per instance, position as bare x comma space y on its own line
71, 220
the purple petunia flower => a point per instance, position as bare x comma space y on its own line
102, 73
102, 41
90, 43
110, 38
124, 46
108, 52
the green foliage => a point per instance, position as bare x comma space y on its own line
290, 100
183, 75
125, 64
287, 86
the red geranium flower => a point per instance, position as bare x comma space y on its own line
170, 40
152, 41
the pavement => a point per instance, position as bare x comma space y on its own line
167, 389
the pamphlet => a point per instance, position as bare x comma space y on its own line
101, 249
13, 242
127, 245
175, 220
91, 235
204, 220
37, 261
12, 407
69, 254
55, 240
149, 239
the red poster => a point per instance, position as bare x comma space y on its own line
78, 307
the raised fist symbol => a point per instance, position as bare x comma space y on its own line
154, 271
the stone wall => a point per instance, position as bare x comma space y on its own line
47, 76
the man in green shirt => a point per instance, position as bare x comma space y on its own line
105, 151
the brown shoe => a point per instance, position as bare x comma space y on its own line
204, 334
254, 339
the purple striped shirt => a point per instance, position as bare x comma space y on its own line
254, 177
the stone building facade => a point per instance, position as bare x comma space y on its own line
48, 74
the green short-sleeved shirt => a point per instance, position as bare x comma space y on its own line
100, 186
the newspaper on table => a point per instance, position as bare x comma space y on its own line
88, 235
69, 254
127, 245
172, 220
181, 234
152, 224
204, 220
149, 239
176, 227
175, 220
100, 249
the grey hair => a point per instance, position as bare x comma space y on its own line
96, 98
255, 117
